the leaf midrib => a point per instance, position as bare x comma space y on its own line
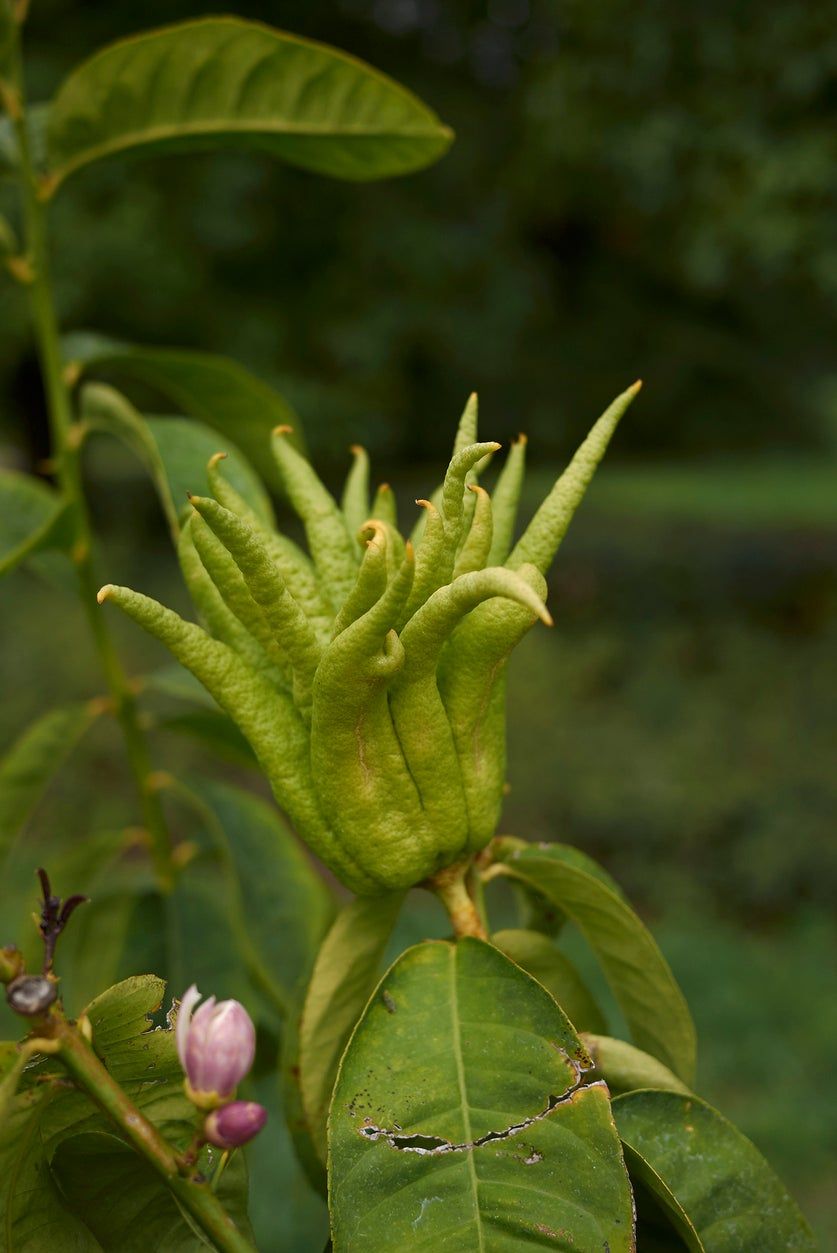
463, 1096
157, 134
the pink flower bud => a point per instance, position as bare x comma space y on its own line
234, 1124
216, 1045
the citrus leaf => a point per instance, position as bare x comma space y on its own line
211, 388
626, 1068
33, 517
222, 81
459, 1121
174, 451
636, 970
543, 961
345, 974
699, 1166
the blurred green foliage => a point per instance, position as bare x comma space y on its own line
635, 189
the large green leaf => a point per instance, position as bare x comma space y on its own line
223, 81
213, 389
33, 517
174, 451
68, 1181
345, 973
699, 1166
540, 958
459, 1121
636, 970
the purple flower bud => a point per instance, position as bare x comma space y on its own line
216, 1044
234, 1124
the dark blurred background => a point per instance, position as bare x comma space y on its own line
636, 190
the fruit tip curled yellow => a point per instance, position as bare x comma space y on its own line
103, 593
215, 458
283, 429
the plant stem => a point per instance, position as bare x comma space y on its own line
198, 1198
450, 887
66, 444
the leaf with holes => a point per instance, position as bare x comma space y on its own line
719, 1192
223, 81
459, 1121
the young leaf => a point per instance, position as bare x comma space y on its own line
459, 1120
33, 517
344, 977
635, 968
201, 84
174, 451
718, 1190
214, 389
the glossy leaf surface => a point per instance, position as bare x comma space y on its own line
700, 1166
224, 81
458, 1123
636, 970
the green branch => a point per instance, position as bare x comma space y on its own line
66, 444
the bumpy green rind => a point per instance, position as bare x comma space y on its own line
369, 678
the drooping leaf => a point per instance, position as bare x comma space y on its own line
33, 517
213, 389
222, 81
543, 961
459, 1122
636, 970
344, 976
719, 1192
174, 451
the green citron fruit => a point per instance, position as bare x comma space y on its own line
368, 674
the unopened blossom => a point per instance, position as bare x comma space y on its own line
216, 1043
234, 1124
